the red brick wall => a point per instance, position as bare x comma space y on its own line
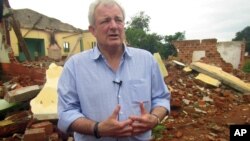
37, 75
212, 56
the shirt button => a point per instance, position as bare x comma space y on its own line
121, 113
119, 96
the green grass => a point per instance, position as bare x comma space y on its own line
158, 131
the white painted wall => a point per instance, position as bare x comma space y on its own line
230, 52
197, 55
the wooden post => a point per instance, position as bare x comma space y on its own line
21, 42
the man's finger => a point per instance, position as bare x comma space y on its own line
143, 110
116, 112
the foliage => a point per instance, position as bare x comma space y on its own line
140, 21
134, 36
177, 37
137, 35
246, 67
244, 35
158, 131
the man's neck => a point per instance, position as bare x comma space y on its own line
112, 55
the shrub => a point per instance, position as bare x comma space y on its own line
246, 67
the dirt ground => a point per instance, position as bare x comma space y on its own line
201, 112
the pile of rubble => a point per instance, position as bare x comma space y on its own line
201, 111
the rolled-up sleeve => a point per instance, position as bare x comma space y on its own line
68, 101
160, 93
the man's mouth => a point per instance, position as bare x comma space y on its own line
113, 35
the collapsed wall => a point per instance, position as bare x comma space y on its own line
211, 52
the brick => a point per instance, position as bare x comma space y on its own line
246, 97
36, 134
48, 126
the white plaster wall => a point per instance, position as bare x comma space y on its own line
230, 52
197, 55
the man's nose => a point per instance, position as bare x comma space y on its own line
113, 24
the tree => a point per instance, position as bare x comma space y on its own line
170, 49
177, 37
137, 35
140, 21
244, 35
134, 36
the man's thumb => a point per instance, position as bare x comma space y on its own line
116, 112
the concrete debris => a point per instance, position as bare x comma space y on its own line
22, 94
219, 74
179, 63
162, 67
187, 69
209, 80
200, 105
44, 105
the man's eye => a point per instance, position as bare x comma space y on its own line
119, 20
106, 21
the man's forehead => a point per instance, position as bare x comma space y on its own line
100, 9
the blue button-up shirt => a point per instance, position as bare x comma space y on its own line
86, 88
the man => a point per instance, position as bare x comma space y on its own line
111, 92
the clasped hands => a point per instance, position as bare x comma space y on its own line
134, 125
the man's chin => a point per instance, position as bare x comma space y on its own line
115, 44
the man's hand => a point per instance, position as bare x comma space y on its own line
144, 122
113, 128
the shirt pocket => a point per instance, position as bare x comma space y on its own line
140, 93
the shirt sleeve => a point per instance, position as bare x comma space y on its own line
68, 100
160, 93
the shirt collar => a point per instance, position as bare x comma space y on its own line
97, 54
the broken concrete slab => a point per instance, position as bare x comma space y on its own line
209, 80
221, 75
22, 94
44, 105
162, 67
179, 63
187, 69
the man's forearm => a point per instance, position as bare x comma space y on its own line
83, 126
160, 112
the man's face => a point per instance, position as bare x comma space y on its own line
109, 26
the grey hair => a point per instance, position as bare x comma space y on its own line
96, 3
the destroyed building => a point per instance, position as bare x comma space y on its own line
227, 55
42, 33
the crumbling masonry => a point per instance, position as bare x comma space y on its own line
187, 48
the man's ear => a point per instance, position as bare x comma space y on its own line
92, 29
